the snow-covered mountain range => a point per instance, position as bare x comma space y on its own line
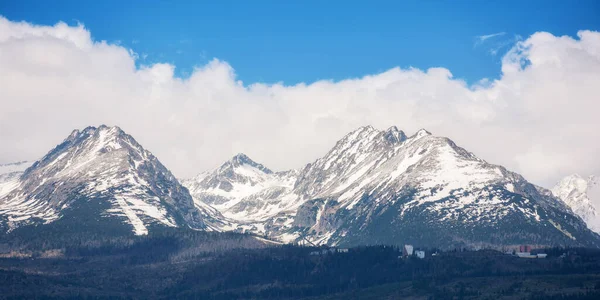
378, 186
373, 187
582, 195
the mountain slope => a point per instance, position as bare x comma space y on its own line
10, 174
106, 173
582, 195
378, 187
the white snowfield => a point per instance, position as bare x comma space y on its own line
582, 195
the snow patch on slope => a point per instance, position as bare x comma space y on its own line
9, 175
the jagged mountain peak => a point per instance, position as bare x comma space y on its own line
363, 129
362, 150
574, 185
359, 134
239, 169
100, 163
368, 136
574, 179
239, 186
91, 130
365, 137
420, 133
102, 136
242, 159
109, 144
394, 135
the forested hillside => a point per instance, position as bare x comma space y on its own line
188, 264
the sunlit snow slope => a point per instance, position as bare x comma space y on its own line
10, 174
582, 195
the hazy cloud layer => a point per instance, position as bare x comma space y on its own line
540, 119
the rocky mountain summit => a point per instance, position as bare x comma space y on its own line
103, 170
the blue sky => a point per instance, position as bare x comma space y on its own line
305, 41
548, 110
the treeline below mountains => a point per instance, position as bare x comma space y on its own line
175, 263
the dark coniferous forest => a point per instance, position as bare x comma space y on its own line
179, 263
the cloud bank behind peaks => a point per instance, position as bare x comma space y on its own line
540, 118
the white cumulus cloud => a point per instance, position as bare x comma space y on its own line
541, 118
